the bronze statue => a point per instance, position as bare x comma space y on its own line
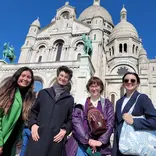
8, 52
88, 49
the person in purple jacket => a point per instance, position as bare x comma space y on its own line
82, 137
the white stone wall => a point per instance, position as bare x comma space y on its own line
46, 73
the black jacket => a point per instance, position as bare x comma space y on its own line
50, 116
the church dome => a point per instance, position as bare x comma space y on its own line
36, 23
123, 28
142, 52
95, 11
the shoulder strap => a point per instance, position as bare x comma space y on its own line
132, 108
103, 101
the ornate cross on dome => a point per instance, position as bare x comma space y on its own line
96, 2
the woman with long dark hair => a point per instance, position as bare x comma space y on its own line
142, 107
16, 95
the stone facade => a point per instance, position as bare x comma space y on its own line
116, 50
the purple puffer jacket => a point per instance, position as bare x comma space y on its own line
81, 132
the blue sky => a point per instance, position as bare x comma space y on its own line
16, 16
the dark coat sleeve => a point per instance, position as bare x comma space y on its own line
78, 127
105, 138
115, 143
150, 114
68, 123
34, 111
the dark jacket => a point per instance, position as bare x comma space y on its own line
81, 131
50, 116
143, 106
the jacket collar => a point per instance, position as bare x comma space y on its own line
127, 106
52, 94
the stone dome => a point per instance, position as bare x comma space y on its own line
142, 52
95, 11
123, 28
36, 23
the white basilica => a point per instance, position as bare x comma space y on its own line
116, 50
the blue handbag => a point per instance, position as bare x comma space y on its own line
140, 142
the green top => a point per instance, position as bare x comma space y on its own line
8, 121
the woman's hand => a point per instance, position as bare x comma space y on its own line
128, 118
98, 143
94, 143
59, 137
1, 150
34, 132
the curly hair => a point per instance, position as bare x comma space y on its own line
66, 70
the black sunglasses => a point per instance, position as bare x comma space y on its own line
131, 80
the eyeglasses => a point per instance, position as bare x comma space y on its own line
94, 86
131, 80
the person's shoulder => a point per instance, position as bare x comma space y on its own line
43, 91
71, 98
143, 97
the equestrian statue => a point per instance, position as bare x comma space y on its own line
8, 52
88, 49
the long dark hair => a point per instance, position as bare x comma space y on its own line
8, 90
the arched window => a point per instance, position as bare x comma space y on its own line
94, 36
120, 48
65, 15
59, 50
112, 50
153, 68
122, 91
136, 49
59, 45
38, 85
40, 59
79, 46
113, 99
125, 47
88, 22
41, 47
78, 56
133, 48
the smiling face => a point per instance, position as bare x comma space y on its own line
25, 79
95, 90
130, 83
63, 78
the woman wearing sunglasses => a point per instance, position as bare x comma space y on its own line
143, 106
